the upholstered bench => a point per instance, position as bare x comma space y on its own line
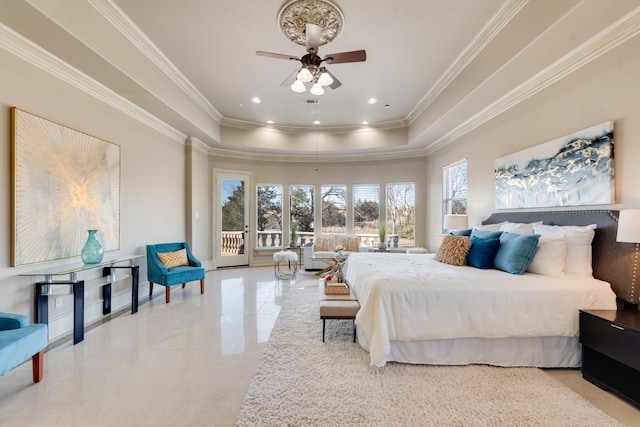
337, 307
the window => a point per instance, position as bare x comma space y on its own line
269, 216
454, 188
366, 209
302, 205
401, 214
334, 208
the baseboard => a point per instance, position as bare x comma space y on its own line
209, 265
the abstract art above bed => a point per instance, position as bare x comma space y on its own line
573, 170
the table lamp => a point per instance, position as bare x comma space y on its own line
455, 222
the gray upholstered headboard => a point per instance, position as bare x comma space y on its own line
612, 261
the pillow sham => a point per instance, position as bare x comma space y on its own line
578, 259
550, 256
516, 252
482, 252
518, 228
453, 250
489, 227
351, 244
323, 244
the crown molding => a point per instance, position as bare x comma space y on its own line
316, 157
609, 38
121, 22
337, 130
493, 27
30, 52
197, 145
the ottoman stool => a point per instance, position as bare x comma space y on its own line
339, 309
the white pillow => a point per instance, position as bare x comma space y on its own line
579, 238
550, 256
490, 227
518, 227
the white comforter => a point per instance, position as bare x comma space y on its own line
412, 297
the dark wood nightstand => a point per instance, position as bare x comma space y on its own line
611, 351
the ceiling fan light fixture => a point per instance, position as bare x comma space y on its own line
298, 87
305, 75
317, 89
325, 79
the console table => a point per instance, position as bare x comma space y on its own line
76, 287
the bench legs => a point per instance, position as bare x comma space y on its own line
324, 323
38, 366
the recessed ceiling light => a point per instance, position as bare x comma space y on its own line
364, 122
256, 100
269, 122
316, 122
371, 101
387, 106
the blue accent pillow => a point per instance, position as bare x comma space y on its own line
482, 252
466, 233
516, 252
484, 234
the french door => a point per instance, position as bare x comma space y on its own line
231, 219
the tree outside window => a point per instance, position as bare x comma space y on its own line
334, 208
269, 216
454, 191
366, 209
302, 205
401, 214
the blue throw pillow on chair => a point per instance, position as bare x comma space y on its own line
482, 252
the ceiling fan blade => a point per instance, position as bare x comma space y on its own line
289, 81
313, 33
342, 57
277, 55
336, 83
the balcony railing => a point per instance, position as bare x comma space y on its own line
233, 241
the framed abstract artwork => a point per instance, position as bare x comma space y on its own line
574, 170
64, 182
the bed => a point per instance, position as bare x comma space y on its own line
418, 310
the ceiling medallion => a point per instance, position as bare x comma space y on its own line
294, 16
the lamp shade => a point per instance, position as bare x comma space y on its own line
629, 226
456, 222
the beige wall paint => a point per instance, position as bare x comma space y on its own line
348, 173
152, 203
198, 196
606, 89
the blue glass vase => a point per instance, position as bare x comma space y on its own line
92, 252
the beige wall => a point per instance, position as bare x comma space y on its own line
606, 89
348, 173
152, 201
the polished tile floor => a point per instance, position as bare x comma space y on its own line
188, 363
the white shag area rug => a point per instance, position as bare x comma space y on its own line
301, 381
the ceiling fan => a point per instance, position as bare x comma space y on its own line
312, 70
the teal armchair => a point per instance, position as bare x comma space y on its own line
20, 341
188, 269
